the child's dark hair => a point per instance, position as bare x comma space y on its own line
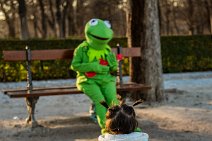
121, 119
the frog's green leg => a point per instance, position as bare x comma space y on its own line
110, 94
98, 93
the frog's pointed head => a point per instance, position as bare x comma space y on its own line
98, 33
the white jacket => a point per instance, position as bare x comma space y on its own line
134, 136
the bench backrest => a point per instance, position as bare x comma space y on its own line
58, 54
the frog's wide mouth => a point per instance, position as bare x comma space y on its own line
97, 37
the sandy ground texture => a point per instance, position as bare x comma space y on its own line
186, 116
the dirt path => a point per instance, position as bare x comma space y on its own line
186, 116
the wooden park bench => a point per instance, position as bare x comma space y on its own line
32, 94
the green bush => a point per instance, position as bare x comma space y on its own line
59, 69
179, 54
186, 53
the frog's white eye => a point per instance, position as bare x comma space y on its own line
107, 23
93, 22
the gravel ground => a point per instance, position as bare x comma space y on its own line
186, 116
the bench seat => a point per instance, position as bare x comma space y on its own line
55, 91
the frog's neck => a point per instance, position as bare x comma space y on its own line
97, 45
94, 54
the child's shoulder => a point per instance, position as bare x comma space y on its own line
134, 136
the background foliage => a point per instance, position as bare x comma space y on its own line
179, 54
65, 18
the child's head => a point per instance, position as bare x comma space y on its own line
121, 119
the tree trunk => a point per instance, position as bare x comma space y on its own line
208, 4
9, 20
175, 21
135, 34
167, 14
11, 27
152, 60
200, 22
59, 17
64, 15
160, 17
191, 22
35, 25
70, 18
144, 32
23, 20
43, 19
52, 21
79, 17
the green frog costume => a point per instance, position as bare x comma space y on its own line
94, 62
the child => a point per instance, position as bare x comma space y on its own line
121, 124
94, 62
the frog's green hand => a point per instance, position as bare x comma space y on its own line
78, 65
113, 64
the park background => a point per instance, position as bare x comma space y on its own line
182, 33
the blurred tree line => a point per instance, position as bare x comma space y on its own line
66, 18
57, 18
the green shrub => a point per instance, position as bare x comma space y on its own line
186, 53
59, 69
179, 54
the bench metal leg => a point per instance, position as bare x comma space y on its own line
30, 103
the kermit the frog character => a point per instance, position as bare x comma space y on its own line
94, 62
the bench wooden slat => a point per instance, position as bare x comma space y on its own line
44, 93
70, 90
37, 89
129, 52
55, 54
14, 55
58, 54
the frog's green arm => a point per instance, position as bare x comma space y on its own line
78, 65
113, 64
